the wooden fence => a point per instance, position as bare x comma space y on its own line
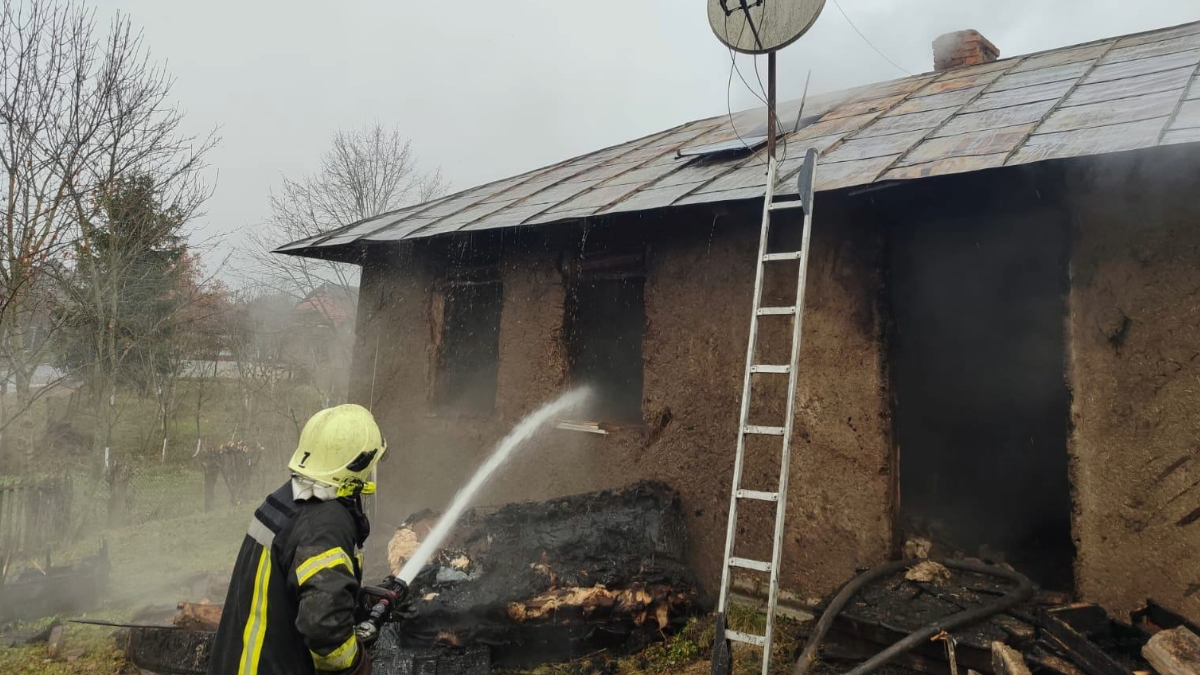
33, 515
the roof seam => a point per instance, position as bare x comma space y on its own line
1178, 106
1160, 41
1123, 98
933, 130
1100, 126
1150, 56
1059, 103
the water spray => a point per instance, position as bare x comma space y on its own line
524, 430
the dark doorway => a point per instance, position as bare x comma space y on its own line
977, 358
603, 327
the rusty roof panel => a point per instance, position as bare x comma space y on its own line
695, 172
946, 166
606, 171
750, 174
830, 127
862, 107
558, 192
904, 85
1093, 141
453, 204
987, 142
456, 221
943, 86
596, 198
1131, 86
519, 190
1181, 136
1029, 78
1159, 35
866, 148
1061, 57
950, 99
1112, 112
1004, 99
1160, 48
857, 172
901, 123
1155, 64
1188, 116
556, 216
514, 214
821, 143
652, 198
981, 114
996, 119
646, 174
971, 71
403, 230
724, 196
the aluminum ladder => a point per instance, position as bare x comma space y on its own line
721, 648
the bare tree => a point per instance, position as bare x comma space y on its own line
365, 173
80, 114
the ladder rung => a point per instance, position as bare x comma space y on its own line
789, 255
765, 431
739, 636
746, 563
783, 206
759, 495
763, 311
782, 370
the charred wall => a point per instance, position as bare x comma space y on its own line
698, 286
1135, 368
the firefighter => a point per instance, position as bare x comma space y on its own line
293, 595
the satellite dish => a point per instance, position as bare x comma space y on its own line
762, 26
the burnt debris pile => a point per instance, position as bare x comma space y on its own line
544, 581
1011, 628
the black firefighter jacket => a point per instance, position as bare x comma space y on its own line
292, 597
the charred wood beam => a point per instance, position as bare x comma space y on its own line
1075, 645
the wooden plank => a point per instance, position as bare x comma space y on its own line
1174, 652
1007, 661
192, 616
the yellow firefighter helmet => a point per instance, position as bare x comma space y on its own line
339, 446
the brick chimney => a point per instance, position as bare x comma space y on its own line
962, 48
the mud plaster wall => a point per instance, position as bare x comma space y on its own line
698, 291
1134, 365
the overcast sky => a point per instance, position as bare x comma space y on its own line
490, 88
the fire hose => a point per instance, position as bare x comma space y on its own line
384, 600
1009, 600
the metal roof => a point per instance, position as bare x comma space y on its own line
1117, 94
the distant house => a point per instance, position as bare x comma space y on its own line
1000, 344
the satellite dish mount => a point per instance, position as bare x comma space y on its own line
763, 27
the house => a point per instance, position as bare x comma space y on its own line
1001, 346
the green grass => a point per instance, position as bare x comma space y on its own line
84, 650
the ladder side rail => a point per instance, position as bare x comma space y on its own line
746, 386
807, 183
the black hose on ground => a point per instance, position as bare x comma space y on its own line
1014, 597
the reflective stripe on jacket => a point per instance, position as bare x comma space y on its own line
291, 601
